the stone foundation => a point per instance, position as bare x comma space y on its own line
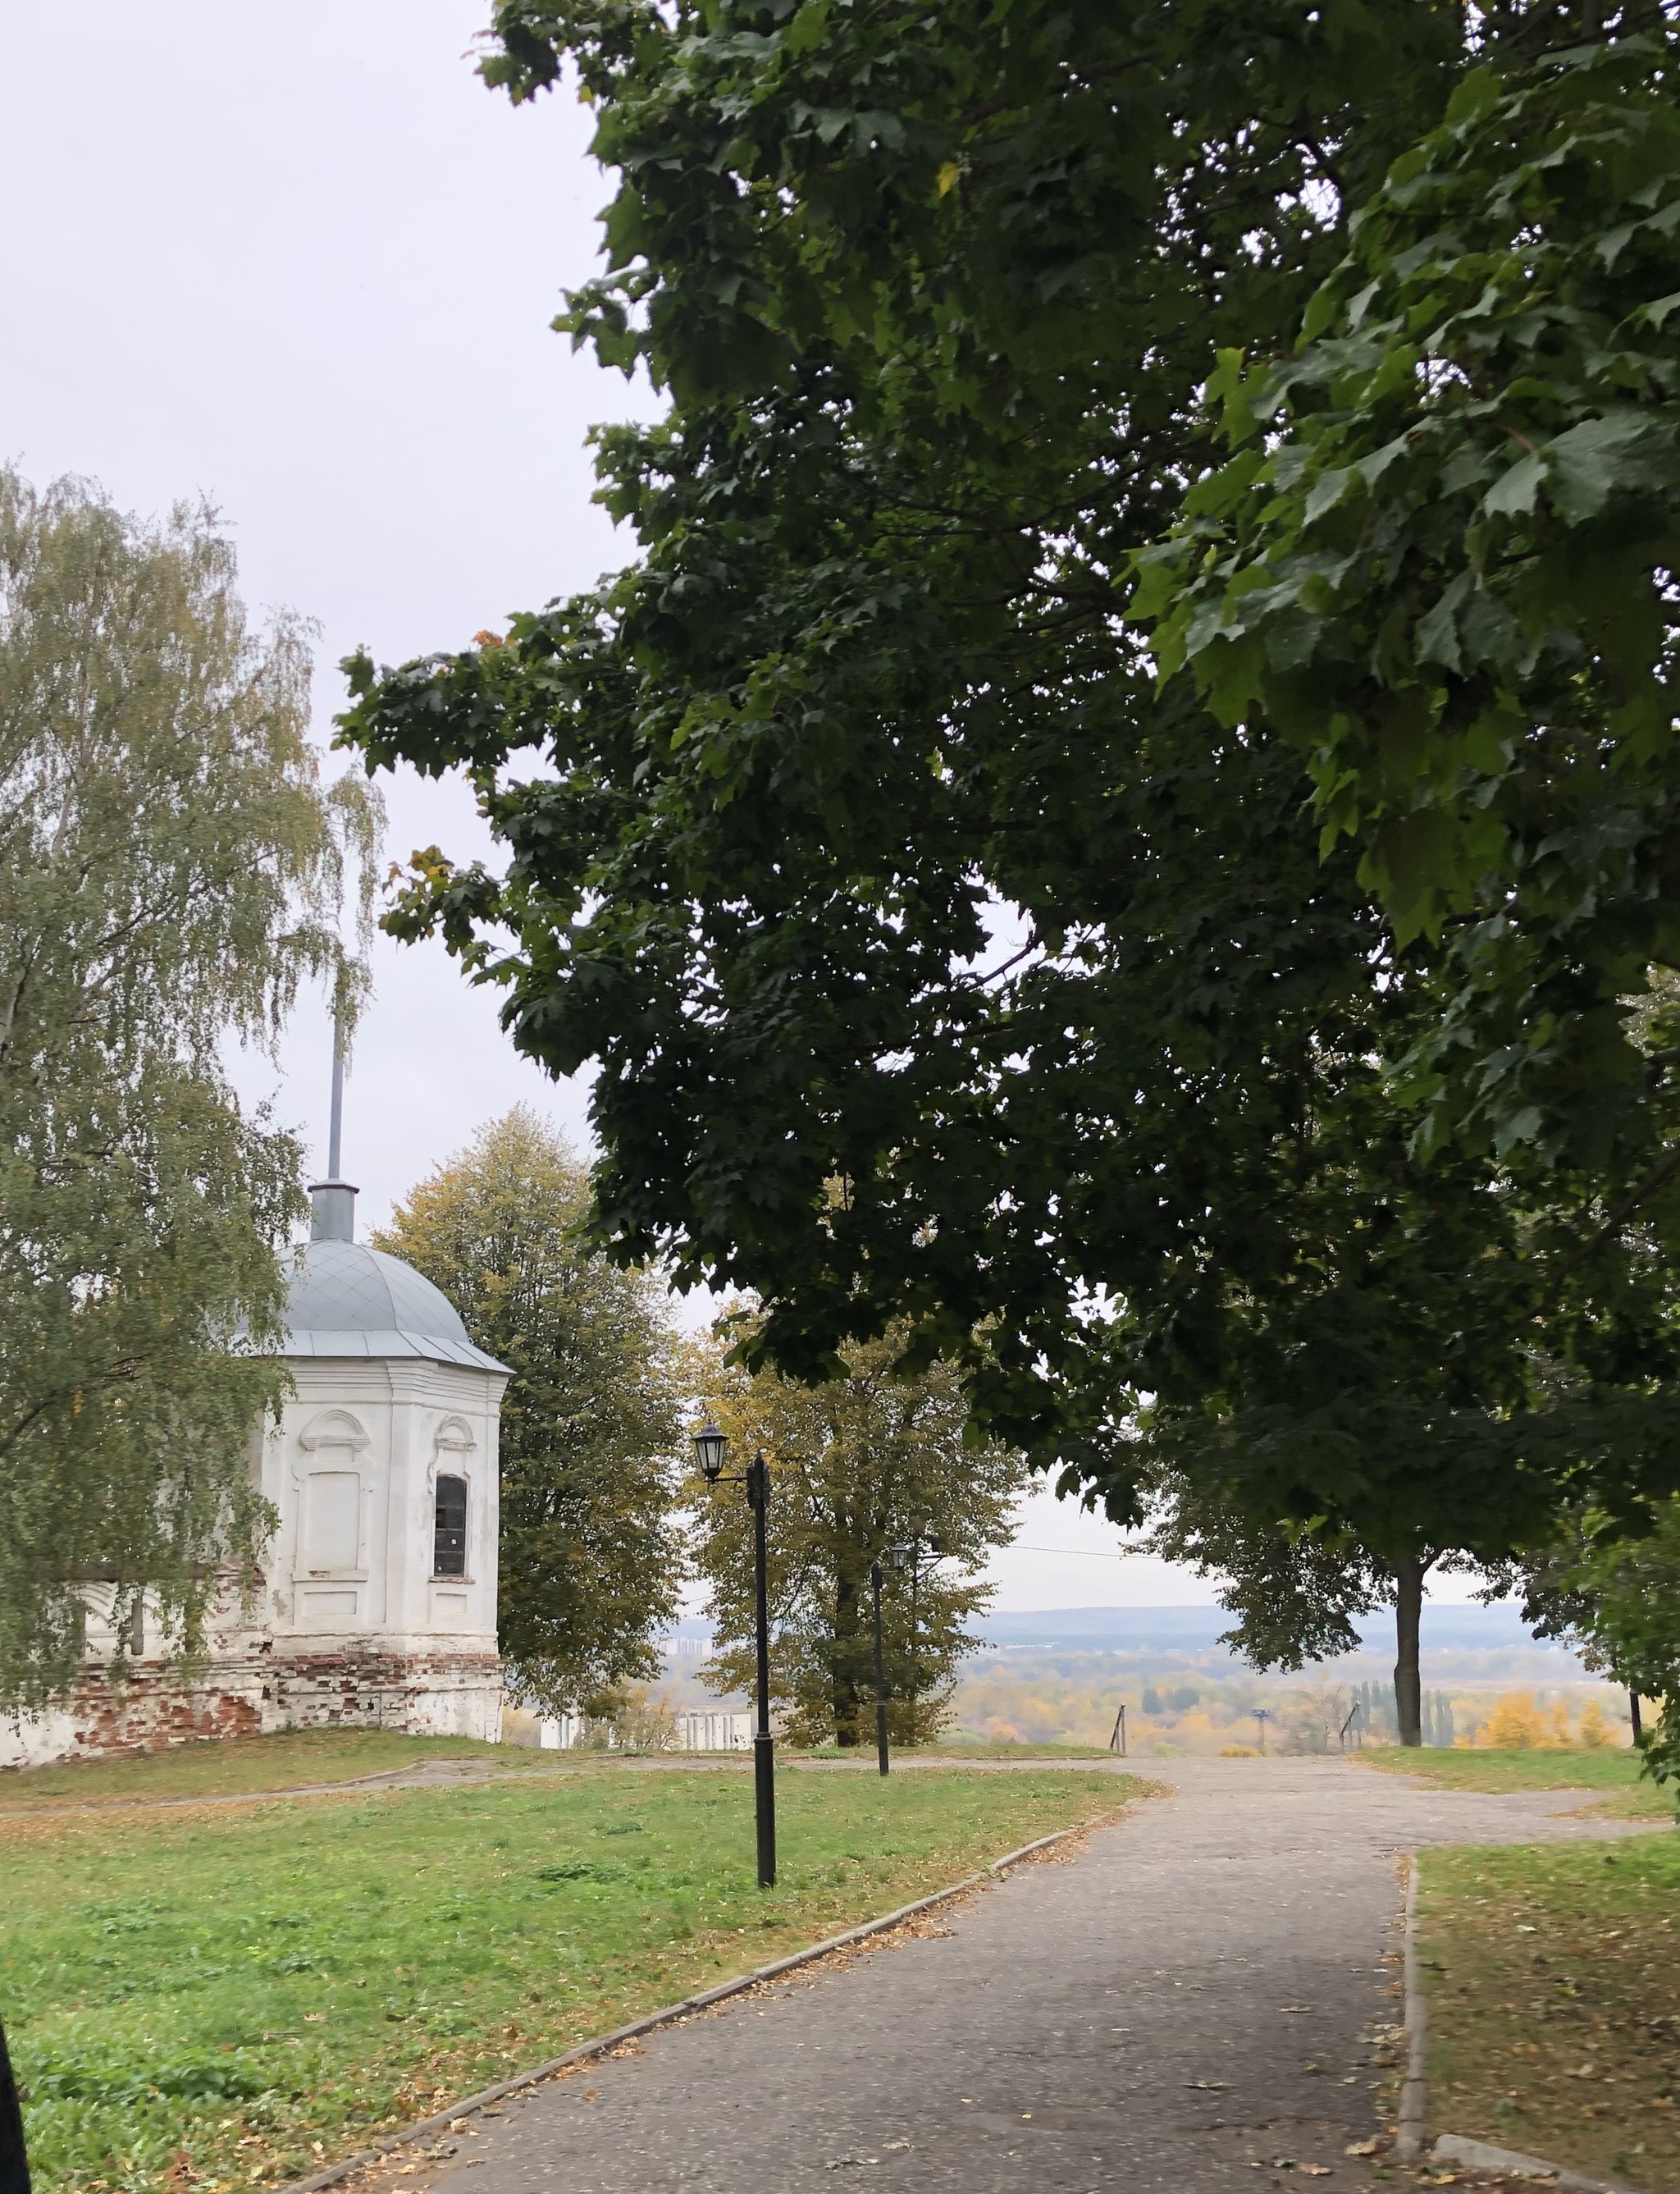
432, 1692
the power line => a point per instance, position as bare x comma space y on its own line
1086, 1554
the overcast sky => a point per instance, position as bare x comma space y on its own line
298, 260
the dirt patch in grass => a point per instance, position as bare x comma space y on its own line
240, 1994
1616, 1772
233, 1766
951, 1750
954, 1746
1553, 1978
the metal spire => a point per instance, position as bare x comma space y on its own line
333, 1201
335, 1124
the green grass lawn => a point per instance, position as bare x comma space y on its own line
235, 1767
1562, 1767
243, 1993
231, 1766
1553, 1975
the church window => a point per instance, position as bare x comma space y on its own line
448, 1543
332, 1520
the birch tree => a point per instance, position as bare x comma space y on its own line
172, 868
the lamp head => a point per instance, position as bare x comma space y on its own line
708, 1452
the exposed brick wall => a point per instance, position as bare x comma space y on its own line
152, 1710
260, 1691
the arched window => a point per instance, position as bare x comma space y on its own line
449, 1538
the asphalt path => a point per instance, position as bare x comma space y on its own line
1203, 1998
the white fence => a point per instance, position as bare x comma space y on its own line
711, 1731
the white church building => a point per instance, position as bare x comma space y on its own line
377, 1601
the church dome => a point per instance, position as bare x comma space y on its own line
346, 1300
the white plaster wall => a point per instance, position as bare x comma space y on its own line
390, 1425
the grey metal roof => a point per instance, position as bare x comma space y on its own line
346, 1300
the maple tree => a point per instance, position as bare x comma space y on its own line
868, 846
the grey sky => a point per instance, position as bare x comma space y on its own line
299, 261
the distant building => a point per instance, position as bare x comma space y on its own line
377, 1605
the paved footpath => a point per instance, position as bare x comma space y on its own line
1195, 1994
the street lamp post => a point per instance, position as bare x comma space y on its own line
709, 1444
13, 2157
880, 1673
1262, 1716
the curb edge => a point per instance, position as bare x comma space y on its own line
1408, 2133
1484, 2155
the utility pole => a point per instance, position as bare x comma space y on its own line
1262, 1716
880, 1673
912, 1551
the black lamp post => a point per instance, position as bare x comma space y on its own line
709, 1444
924, 1547
14, 2159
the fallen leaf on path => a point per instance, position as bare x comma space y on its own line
1317, 2170
1362, 2148
1294, 2007
1219, 2086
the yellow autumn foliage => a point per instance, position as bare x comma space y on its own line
1515, 1724
1595, 1731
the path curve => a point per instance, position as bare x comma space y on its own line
1193, 1995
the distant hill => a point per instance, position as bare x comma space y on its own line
1198, 1629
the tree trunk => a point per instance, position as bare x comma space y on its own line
843, 1667
1633, 1713
1408, 1604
